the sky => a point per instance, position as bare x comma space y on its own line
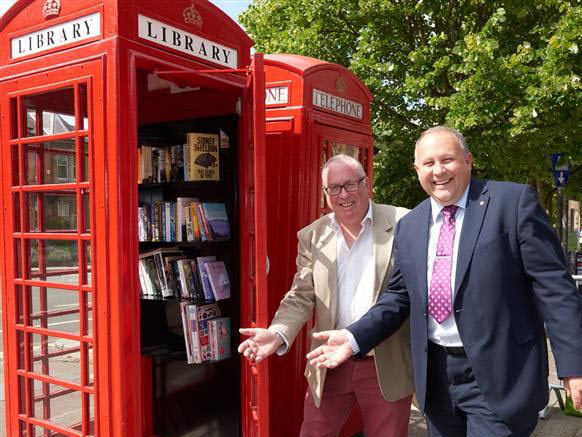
231, 7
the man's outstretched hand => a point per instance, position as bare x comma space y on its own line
260, 344
336, 350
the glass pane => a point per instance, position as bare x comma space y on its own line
86, 167
54, 261
22, 397
31, 166
57, 404
59, 211
56, 309
49, 113
346, 149
58, 162
13, 119
91, 415
19, 304
18, 258
16, 210
90, 376
15, 169
324, 147
83, 115
56, 357
89, 314
86, 211
21, 349
22, 429
88, 276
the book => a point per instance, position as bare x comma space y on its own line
198, 318
219, 333
162, 269
217, 220
181, 203
187, 331
203, 157
150, 278
177, 163
203, 273
219, 279
185, 278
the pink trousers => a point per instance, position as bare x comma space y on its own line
355, 382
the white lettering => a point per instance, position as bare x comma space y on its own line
56, 36
324, 100
169, 36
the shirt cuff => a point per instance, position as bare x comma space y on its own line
352, 340
281, 350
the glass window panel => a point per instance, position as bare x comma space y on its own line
86, 175
91, 415
19, 304
85, 195
59, 211
15, 168
21, 349
56, 309
22, 429
56, 357
16, 210
18, 258
323, 161
62, 405
88, 269
82, 103
89, 370
32, 247
346, 149
13, 119
22, 397
89, 314
31, 162
49, 113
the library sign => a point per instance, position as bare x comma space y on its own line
56, 36
328, 101
169, 36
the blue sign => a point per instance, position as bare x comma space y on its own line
561, 167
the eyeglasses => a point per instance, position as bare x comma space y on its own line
350, 187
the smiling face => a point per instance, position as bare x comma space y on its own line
442, 166
349, 207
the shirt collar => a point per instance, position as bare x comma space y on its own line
436, 207
369, 216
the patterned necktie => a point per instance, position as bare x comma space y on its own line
439, 297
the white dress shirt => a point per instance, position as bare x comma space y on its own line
355, 272
446, 333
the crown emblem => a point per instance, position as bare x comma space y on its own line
192, 16
51, 8
340, 85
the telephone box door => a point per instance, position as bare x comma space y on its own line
51, 280
254, 309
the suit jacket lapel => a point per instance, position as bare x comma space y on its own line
420, 249
328, 246
383, 233
477, 202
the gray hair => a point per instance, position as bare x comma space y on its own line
345, 158
460, 138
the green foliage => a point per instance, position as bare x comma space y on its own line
506, 73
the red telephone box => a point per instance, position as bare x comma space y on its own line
84, 85
314, 110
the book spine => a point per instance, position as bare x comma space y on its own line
187, 334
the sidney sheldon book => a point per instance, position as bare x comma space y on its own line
203, 157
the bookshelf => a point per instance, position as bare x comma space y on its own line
199, 398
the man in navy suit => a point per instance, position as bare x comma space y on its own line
477, 324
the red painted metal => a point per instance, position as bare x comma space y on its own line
297, 130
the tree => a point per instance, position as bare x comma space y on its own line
506, 73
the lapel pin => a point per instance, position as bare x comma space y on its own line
482, 203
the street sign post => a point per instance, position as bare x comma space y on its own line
561, 168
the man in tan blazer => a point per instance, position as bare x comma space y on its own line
344, 260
